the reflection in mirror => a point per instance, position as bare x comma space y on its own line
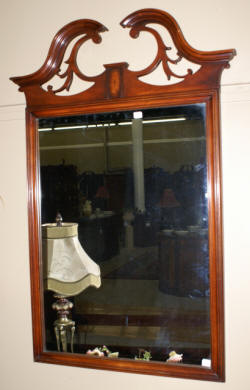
135, 184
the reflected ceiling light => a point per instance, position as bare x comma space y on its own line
136, 115
78, 127
164, 120
102, 125
46, 129
124, 123
146, 121
71, 127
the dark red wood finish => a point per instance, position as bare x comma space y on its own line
116, 89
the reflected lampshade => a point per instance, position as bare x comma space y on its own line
168, 199
67, 268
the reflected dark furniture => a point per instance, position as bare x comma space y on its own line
59, 192
145, 230
100, 236
184, 265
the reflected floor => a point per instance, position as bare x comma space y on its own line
125, 313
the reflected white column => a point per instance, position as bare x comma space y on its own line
138, 163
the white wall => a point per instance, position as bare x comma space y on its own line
27, 28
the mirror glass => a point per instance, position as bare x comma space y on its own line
135, 182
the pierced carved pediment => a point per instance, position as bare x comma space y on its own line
117, 81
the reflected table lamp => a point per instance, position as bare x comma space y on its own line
68, 271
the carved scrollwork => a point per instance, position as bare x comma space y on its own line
51, 67
117, 80
72, 64
161, 56
138, 22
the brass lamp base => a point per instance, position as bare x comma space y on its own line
63, 325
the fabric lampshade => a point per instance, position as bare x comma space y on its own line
68, 270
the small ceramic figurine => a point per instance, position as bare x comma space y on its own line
143, 355
102, 351
95, 352
174, 357
109, 353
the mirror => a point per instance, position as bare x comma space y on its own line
137, 186
125, 210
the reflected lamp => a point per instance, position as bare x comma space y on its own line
68, 271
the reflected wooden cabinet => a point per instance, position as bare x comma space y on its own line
183, 265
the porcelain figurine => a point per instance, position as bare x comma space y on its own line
143, 355
108, 353
174, 357
95, 352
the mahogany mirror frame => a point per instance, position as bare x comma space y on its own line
115, 89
